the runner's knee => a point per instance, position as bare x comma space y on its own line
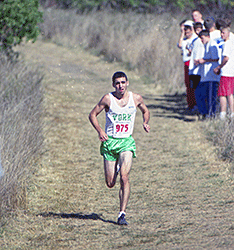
110, 183
124, 179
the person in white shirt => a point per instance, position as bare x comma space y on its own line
118, 147
207, 88
184, 43
226, 85
197, 52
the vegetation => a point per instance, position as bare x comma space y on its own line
143, 5
147, 47
221, 134
19, 19
20, 130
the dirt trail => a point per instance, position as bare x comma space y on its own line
181, 194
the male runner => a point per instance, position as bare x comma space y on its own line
118, 147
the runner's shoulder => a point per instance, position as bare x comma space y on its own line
137, 98
105, 100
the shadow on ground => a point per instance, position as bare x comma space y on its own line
170, 106
92, 216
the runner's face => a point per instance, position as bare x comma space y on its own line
120, 85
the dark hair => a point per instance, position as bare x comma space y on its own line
220, 23
204, 33
197, 25
119, 74
187, 27
228, 21
182, 22
209, 23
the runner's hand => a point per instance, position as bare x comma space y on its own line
103, 136
146, 127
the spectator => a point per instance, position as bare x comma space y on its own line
214, 34
223, 23
197, 52
206, 92
209, 24
182, 35
186, 38
226, 85
197, 16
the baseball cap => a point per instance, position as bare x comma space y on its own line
188, 23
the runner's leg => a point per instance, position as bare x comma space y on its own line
125, 162
110, 168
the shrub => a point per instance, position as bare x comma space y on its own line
20, 129
19, 19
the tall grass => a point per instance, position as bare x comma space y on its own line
21, 140
143, 42
222, 136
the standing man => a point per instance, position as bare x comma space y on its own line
118, 147
197, 52
206, 92
186, 39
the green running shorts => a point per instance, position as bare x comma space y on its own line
111, 148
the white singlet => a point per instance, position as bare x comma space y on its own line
120, 120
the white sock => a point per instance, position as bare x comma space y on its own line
120, 213
222, 115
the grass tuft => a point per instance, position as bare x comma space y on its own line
221, 134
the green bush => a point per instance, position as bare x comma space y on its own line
19, 19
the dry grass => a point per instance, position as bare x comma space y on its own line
181, 195
145, 43
221, 134
20, 130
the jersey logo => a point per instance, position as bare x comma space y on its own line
122, 117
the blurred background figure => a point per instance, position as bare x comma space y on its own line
197, 17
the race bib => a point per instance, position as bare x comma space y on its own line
121, 129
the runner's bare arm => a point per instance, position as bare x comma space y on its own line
104, 103
144, 110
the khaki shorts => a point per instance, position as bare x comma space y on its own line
111, 148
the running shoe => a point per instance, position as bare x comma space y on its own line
122, 221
